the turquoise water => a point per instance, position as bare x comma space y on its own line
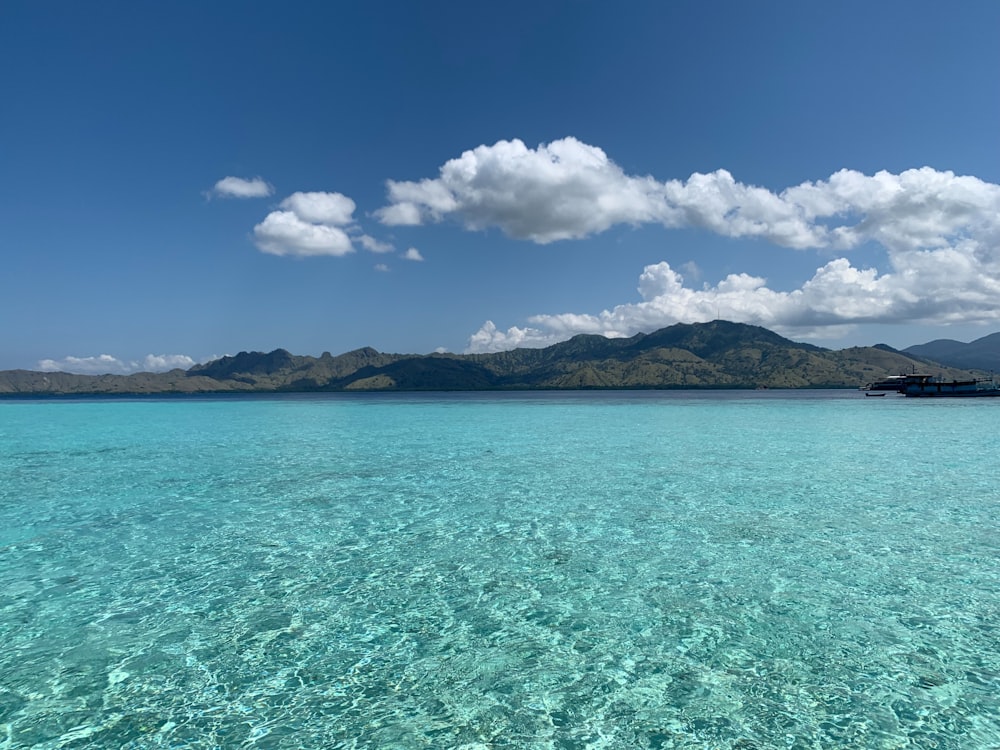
724, 570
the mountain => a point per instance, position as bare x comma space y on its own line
719, 354
281, 371
981, 354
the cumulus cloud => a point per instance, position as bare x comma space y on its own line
333, 209
285, 233
105, 364
308, 224
936, 286
940, 233
237, 187
546, 194
314, 223
413, 254
164, 362
568, 190
102, 363
381, 268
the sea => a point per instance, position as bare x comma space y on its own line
567, 570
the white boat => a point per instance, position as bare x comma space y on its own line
891, 384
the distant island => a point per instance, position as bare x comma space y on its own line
719, 354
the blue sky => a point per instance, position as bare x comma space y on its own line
186, 180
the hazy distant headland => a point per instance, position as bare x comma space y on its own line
719, 354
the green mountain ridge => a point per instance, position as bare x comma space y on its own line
981, 354
719, 354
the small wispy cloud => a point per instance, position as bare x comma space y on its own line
382, 268
373, 245
413, 254
238, 187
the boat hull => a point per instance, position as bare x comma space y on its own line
925, 386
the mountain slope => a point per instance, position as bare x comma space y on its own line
719, 354
981, 354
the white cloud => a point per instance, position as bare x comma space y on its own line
333, 209
286, 233
936, 286
400, 215
490, 339
568, 189
373, 245
315, 223
103, 364
691, 270
164, 362
237, 187
562, 190
413, 254
381, 268
940, 233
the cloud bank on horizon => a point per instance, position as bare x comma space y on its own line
940, 231
107, 364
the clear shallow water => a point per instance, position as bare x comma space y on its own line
750, 570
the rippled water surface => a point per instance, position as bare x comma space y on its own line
583, 570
